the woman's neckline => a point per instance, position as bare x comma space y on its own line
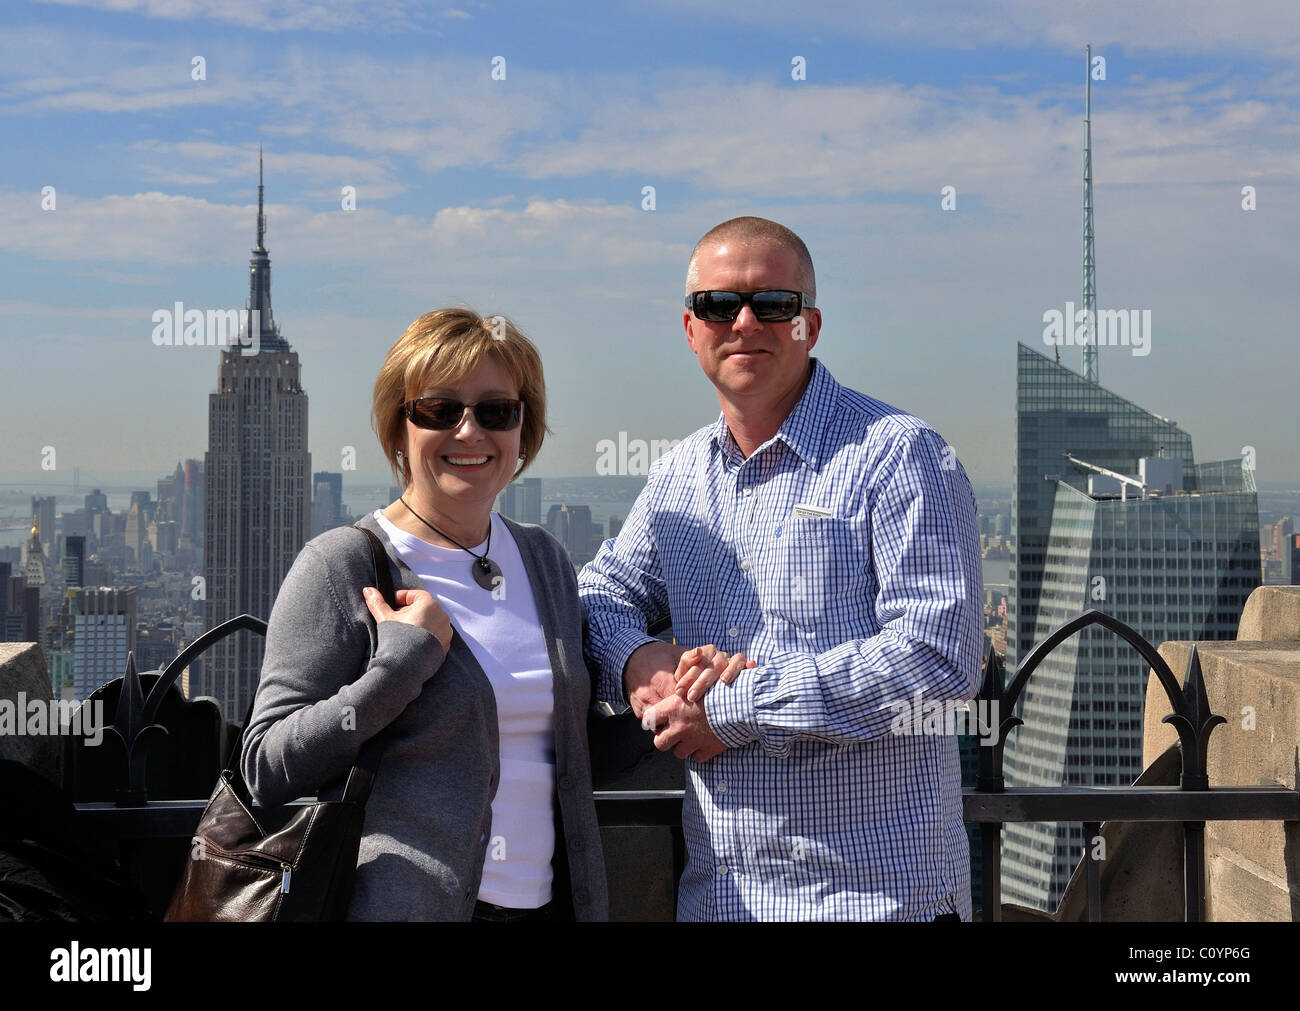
416, 540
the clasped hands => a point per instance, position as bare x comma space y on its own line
666, 684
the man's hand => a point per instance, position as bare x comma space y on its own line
683, 728
659, 669
650, 674
664, 683
700, 668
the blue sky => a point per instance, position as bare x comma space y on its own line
523, 196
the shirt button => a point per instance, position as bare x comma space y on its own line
575, 845
581, 897
566, 783
744, 565
722, 869
722, 788
749, 491
733, 631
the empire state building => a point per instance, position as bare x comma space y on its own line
256, 473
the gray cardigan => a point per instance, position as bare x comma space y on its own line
429, 818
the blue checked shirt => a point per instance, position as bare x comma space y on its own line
843, 557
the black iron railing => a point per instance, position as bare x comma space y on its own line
990, 804
1193, 802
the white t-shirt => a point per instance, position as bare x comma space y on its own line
502, 629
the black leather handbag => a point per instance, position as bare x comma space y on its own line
294, 863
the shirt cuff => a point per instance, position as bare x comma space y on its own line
730, 708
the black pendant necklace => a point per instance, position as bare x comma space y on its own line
486, 572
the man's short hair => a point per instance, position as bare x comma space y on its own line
754, 230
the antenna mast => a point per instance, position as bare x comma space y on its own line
1089, 257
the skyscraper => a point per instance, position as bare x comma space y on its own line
509, 501
531, 510
256, 471
74, 561
137, 534
581, 535
1110, 512
34, 567
171, 493
192, 500
557, 522
326, 502
1283, 535
97, 515
103, 623
43, 518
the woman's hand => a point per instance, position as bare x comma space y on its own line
699, 668
414, 607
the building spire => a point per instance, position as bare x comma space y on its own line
1089, 254
259, 277
261, 217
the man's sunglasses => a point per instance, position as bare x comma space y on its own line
440, 413
774, 306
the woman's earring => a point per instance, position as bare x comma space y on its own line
399, 456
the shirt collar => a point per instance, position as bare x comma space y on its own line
803, 427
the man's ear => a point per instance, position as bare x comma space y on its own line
690, 337
814, 327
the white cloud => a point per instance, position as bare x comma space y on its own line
271, 15
1180, 26
849, 141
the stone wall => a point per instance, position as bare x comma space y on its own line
1252, 867
24, 678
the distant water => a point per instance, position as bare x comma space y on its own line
997, 574
64, 502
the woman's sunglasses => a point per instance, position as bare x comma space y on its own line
774, 306
441, 413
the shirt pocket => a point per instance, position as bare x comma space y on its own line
820, 575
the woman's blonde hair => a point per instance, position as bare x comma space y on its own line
440, 349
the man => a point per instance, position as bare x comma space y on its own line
818, 550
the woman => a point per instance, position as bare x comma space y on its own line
482, 804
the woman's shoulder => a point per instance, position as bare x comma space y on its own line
339, 542
341, 552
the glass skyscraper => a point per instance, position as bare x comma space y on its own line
1175, 559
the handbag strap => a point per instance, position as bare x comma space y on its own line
361, 778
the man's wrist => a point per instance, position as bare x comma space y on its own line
631, 678
729, 709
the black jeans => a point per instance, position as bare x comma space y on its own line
486, 912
